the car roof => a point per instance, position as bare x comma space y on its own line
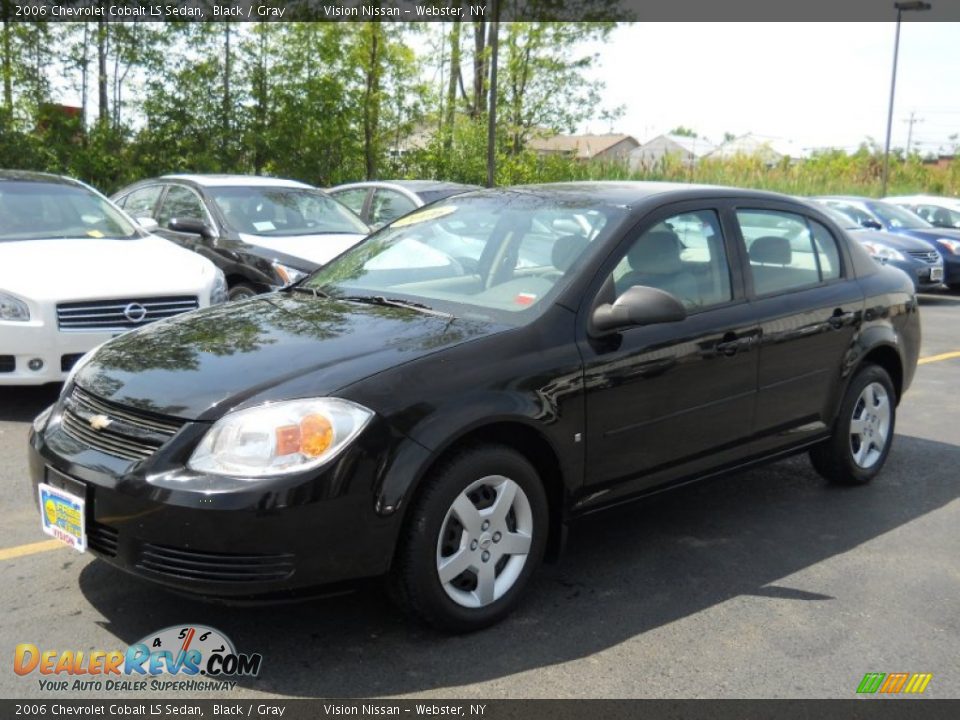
41, 177
630, 193
414, 186
236, 181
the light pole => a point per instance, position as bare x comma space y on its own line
901, 7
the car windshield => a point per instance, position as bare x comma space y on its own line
499, 257
898, 217
840, 218
32, 210
276, 211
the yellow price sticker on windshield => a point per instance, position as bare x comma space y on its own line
95, 233
423, 215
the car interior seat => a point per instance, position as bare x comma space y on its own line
655, 261
566, 250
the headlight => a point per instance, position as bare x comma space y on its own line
279, 438
952, 246
12, 308
288, 274
40, 421
219, 293
883, 253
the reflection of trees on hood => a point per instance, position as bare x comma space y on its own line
177, 344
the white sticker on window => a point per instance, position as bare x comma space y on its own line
264, 226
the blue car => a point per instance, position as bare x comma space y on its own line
916, 258
879, 215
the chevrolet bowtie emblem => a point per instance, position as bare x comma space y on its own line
99, 422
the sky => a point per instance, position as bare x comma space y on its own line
814, 84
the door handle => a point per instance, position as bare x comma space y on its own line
730, 344
840, 318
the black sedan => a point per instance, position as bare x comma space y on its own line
402, 414
263, 233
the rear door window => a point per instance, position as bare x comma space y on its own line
787, 251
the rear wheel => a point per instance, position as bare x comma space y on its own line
863, 432
475, 536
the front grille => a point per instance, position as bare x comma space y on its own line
928, 256
8, 363
112, 315
123, 432
102, 539
214, 567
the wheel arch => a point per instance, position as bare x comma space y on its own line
528, 441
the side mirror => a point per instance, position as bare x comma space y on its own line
640, 305
147, 223
871, 224
191, 226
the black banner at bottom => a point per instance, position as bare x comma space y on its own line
854, 709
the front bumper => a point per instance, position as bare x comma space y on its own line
267, 540
35, 340
919, 272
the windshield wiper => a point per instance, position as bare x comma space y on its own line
308, 291
394, 302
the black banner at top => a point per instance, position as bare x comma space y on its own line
476, 10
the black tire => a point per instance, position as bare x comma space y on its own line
241, 291
954, 287
835, 459
415, 577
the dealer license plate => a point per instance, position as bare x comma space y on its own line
62, 516
936, 274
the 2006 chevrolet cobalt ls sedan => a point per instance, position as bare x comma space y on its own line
436, 404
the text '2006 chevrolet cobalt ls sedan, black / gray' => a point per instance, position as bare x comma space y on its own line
435, 405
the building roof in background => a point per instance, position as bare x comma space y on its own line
580, 146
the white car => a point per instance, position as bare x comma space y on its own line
941, 212
76, 271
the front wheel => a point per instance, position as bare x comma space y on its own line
475, 536
863, 432
242, 291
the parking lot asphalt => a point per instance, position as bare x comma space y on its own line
768, 583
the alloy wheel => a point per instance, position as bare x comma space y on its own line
484, 541
870, 425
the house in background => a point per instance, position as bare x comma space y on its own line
771, 150
585, 147
652, 153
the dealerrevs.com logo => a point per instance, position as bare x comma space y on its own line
178, 658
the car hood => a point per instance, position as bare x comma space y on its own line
898, 242
318, 249
930, 235
268, 348
89, 268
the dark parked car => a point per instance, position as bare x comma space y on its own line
262, 232
381, 202
398, 414
916, 258
879, 215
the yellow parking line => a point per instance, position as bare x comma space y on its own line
30, 549
938, 358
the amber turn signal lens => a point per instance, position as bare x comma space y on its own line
316, 435
288, 440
